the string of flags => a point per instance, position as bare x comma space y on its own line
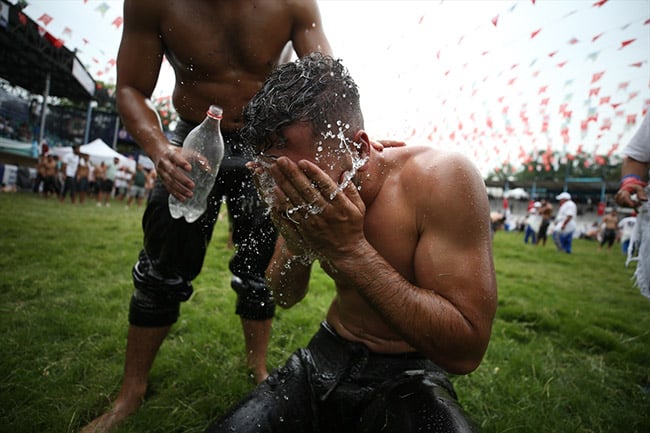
56, 27
532, 103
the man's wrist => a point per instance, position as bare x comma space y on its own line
631, 176
630, 181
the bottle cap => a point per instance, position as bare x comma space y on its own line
215, 112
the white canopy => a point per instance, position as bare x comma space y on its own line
517, 193
98, 152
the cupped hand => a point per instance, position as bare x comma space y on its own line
314, 213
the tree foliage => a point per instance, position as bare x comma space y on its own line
556, 166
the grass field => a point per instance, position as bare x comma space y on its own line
570, 350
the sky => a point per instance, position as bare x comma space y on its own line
495, 80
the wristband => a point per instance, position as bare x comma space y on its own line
631, 176
629, 181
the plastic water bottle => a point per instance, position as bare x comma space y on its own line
203, 148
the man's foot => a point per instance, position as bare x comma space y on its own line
108, 421
103, 424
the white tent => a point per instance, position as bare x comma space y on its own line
98, 152
517, 193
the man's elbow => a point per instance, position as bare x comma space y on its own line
286, 299
464, 366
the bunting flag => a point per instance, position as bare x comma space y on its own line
45, 19
103, 8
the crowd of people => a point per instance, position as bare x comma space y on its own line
74, 175
14, 130
543, 219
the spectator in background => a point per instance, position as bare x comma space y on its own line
100, 179
610, 226
49, 181
565, 223
40, 174
108, 187
122, 180
137, 186
70, 164
546, 212
83, 176
533, 223
626, 227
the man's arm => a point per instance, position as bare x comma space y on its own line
288, 275
308, 34
447, 311
138, 66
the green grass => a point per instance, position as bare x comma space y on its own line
570, 350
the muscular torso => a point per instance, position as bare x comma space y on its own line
221, 51
391, 227
611, 222
83, 169
50, 168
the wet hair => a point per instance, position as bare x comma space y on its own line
316, 89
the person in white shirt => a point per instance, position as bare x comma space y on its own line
626, 226
70, 166
565, 223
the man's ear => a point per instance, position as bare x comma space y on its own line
362, 145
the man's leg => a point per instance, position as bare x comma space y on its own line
141, 349
557, 239
253, 236
565, 240
256, 337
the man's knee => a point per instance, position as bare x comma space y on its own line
254, 299
156, 299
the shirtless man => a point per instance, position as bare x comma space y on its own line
407, 243
49, 182
221, 52
609, 231
83, 174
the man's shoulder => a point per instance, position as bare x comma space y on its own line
441, 164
